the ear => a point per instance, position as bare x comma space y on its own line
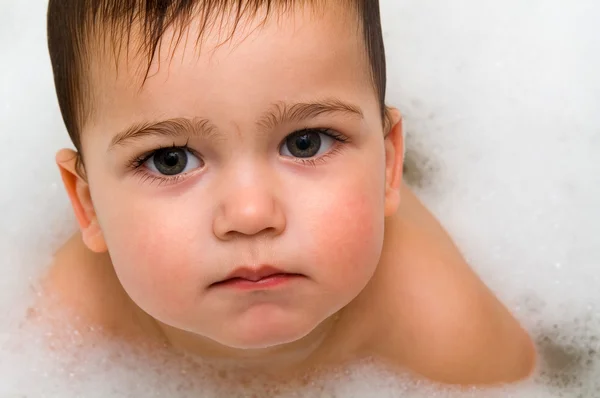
79, 194
394, 158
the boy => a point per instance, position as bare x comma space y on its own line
238, 186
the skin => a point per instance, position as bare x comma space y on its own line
369, 253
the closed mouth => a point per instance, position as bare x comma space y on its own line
254, 275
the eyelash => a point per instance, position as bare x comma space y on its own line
136, 164
341, 139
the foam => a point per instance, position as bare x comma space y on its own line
500, 101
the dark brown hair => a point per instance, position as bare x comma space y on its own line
72, 24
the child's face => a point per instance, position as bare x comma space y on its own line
242, 195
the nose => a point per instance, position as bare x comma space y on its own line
249, 207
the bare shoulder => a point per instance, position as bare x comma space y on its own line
83, 287
444, 323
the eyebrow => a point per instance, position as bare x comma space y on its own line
286, 113
279, 113
166, 128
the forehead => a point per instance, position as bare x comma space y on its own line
298, 55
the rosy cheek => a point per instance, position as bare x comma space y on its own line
349, 234
151, 259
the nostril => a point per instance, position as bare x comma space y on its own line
266, 232
248, 216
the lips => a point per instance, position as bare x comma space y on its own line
254, 274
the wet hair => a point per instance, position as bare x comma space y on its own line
73, 25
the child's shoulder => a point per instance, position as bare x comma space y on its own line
440, 319
81, 287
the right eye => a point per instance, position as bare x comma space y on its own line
173, 161
307, 143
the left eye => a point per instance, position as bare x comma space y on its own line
173, 161
306, 144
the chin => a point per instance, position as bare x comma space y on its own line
261, 336
265, 340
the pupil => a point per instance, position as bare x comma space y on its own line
170, 161
304, 144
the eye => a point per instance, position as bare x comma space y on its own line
173, 161
307, 144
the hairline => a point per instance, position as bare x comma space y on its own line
116, 37
108, 26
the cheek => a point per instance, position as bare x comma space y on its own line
347, 231
151, 249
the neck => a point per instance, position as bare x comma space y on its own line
296, 356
